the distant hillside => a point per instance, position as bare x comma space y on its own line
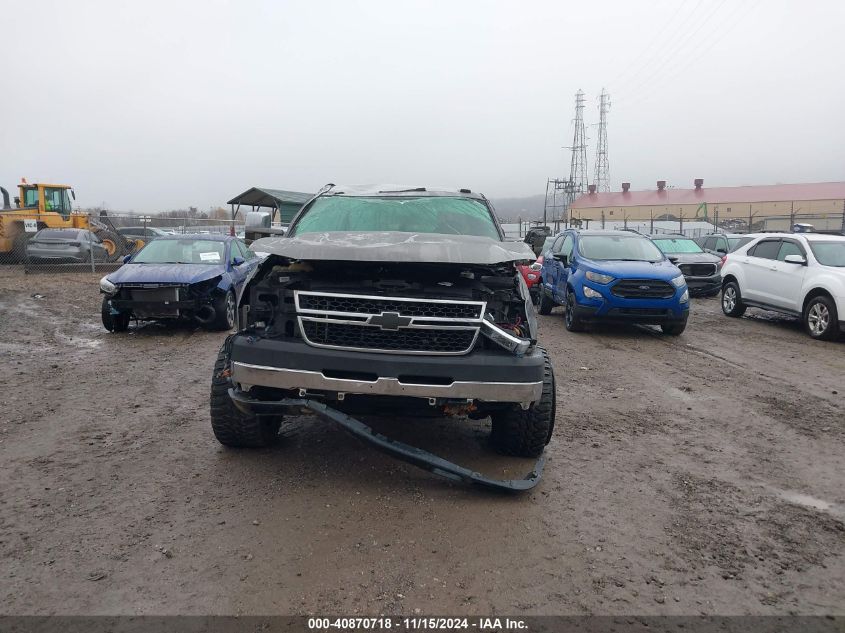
527, 207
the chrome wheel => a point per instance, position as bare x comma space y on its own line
230, 310
818, 319
729, 299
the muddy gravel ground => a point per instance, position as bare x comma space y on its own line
698, 474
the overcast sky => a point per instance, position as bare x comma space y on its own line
152, 105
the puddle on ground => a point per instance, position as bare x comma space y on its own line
684, 394
22, 349
772, 317
801, 499
79, 342
26, 308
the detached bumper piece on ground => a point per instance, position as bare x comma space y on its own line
411, 454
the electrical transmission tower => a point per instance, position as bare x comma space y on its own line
561, 193
602, 179
578, 166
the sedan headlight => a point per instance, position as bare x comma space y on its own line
598, 277
591, 294
685, 296
679, 281
107, 286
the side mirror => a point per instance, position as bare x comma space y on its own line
237, 261
673, 258
795, 259
126, 258
561, 257
721, 251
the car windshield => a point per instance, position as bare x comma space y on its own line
735, 242
677, 245
181, 252
58, 234
619, 247
445, 215
829, 253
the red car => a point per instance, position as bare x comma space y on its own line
531, 274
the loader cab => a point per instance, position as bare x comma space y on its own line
47, 198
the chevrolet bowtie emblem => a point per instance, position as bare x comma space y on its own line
389, 320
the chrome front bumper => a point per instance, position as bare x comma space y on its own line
248, 376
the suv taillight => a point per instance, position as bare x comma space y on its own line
724, 259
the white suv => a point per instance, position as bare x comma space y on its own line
800, 274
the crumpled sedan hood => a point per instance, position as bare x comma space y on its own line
164, 273
395, 246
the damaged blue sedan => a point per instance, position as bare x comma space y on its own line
193, 278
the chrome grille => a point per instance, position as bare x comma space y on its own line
345, 304
388, 324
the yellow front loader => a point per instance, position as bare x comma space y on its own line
42, 206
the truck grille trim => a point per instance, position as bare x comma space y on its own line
391, 325
343, 304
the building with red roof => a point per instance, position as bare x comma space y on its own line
760, 205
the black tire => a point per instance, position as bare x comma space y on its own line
572, 322
674, 329
525, 433
732, 304
117, 241
113, 322
546, 304
820, 318
230, 425
224, 312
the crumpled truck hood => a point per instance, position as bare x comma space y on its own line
165, 273
395, 246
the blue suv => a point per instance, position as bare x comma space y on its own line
616, 276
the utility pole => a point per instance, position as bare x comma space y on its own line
557, 200
578, 165
602, 179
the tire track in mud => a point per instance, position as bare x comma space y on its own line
658, 456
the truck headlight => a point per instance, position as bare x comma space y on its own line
598, 277
679, 281
106, 286
685, 296
505, 339
591, 294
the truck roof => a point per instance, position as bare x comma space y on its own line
392, 190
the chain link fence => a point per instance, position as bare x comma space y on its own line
78, 242
823, 222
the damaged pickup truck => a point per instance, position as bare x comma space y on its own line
388, 301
